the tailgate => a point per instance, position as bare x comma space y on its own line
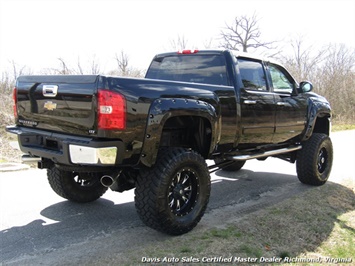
59, 103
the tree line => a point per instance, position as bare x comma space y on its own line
330, 68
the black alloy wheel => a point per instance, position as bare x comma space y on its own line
183, 192
172, 196
322, 160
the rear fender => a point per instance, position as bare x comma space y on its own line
163, 109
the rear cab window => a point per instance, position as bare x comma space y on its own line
194, 68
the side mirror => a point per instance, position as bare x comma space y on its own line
306, 86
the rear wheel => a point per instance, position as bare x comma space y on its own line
78, 187
314, 160
172, 196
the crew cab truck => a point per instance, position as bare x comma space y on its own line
155, 134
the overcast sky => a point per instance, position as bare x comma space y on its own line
36, 33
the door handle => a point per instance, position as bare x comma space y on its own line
249, 102
280, 103
50, 90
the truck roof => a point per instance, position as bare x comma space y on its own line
213, 51
237, 54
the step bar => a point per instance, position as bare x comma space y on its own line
245, 157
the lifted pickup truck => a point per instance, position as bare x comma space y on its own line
154, 134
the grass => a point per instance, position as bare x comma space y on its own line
320, 223
223, 233
341, 127
341, 243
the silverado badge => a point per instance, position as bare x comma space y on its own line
50, 105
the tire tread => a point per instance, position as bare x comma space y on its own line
62, 183
306, 159
149, 183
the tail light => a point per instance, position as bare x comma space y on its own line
14, 96
111, 110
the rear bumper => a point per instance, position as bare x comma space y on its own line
68, 149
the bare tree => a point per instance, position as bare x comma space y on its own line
331, 69
124, 69
180, 43
208, 44
17, 70
304, 59
80, 69
244, 34
63, 70
122, 63
336, 81
93, 68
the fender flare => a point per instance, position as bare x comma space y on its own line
163, 109
316, 109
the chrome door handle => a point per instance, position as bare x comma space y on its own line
249, 102
280, 103
50, 90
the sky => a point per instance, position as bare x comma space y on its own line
35, 33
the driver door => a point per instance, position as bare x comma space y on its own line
291, 108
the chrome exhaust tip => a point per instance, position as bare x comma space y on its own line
107, 181
30, 159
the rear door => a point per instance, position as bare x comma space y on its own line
257, 103
291, 108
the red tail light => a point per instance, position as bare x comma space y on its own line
14, 96
111, 110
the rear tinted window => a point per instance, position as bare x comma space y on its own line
252, 74
209, 69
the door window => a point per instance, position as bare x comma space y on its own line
252, 74
281, 82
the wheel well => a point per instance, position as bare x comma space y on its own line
322, 125
188, 132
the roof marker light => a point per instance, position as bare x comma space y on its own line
187, 51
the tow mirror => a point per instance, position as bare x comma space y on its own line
306, 86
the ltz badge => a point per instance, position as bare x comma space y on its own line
50, 105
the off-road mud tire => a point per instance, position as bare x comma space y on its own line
172, 196
314, 160
77, 187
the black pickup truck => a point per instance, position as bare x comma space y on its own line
155, 134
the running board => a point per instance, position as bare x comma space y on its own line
245, 157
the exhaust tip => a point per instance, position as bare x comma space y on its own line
107, 181
26, 158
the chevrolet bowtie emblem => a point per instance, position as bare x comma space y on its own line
50, 105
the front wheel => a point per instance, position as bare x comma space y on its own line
172, 196
314, 160
77, 187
